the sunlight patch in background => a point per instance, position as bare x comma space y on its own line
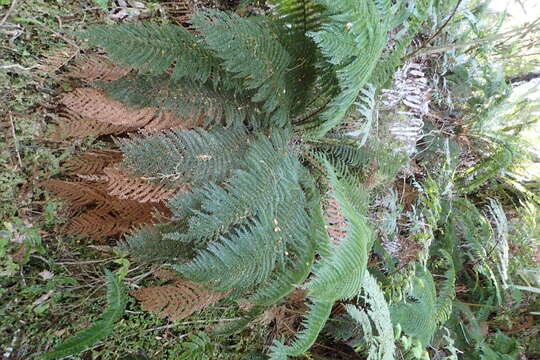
521, 12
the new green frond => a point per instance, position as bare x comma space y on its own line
485, 169
339, 276
447, 292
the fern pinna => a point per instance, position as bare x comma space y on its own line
247, 132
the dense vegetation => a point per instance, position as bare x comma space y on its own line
350, 178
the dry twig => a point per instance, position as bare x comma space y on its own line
4, 19
15, 141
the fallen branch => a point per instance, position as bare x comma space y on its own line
17, 66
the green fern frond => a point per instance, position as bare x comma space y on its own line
501, 253
340, 275
378, 331
151, 244
185, 156
365, 109
258, 233
154, 48
447, 292
250, 49
201, 104
300, 16
286, 282
476, 235
416, 315
268, 170
353, 40
316, 317
485, 170
294, 19
84, 339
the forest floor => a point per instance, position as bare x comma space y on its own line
53, 285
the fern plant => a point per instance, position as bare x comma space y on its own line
251, 127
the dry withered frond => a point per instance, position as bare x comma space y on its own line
71, 125
124, 186
337, 226
92, 162
77, 194
113, 218
104, 214
178, 300
97, 67
97, 225
92, 103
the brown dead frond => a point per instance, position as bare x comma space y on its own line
96, 67
71, 125
97, 225
92, 162
92, 103
104, 215
337, 226
139, 213
178, 300
124, 186
77, 194
114, 217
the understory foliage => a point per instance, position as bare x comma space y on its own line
258, 154
116, 299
